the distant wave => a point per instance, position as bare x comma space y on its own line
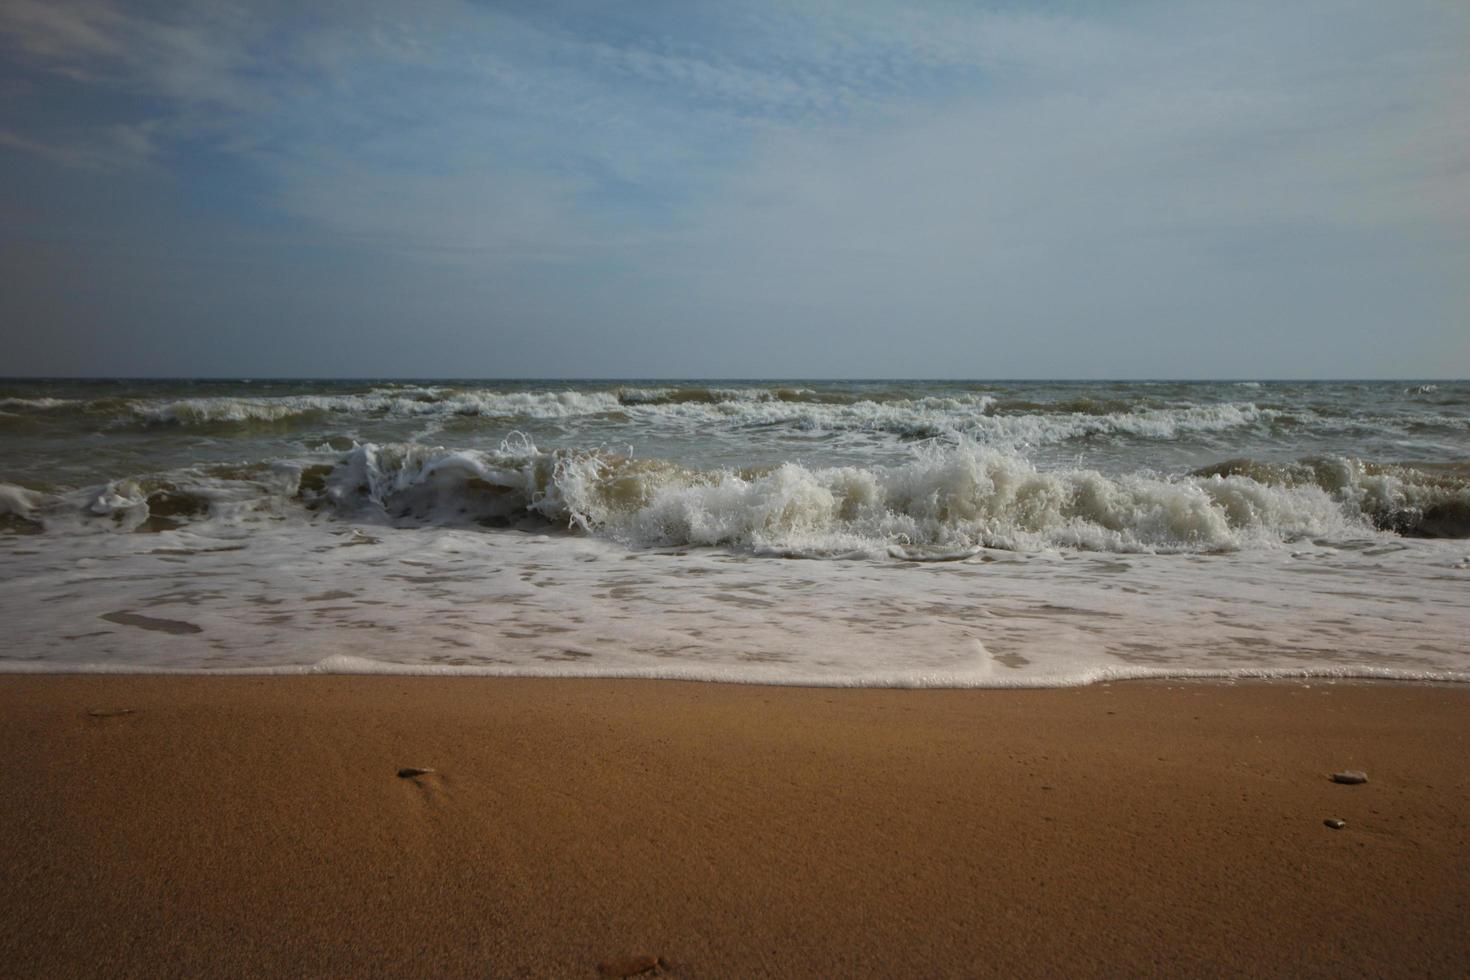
35, 404
421, 403
976, 416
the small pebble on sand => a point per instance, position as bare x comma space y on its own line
1350, 776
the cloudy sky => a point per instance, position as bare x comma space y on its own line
764, 189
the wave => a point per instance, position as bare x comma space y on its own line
699, 394
1415, 501
963, 415
977, 417
512, 405
244, 411
35, 404
20, 509
1005, 418
945, 502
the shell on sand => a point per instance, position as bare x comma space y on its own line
1350, 776
408, 772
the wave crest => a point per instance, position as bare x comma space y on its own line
944, 500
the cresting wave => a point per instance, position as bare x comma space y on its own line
946, 501
1424, 501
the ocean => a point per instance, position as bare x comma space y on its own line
894, 533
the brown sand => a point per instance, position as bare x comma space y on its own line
257, 826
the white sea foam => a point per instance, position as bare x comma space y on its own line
321, 596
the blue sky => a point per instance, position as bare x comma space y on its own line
735, 190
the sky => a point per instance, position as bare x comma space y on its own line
752, 190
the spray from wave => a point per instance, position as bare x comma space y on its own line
944, 501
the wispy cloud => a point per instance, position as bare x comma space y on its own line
828, 163
62, 34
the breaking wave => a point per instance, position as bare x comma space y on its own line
1428, 500
19, 509
945, 501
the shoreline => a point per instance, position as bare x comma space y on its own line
349, 667
256, 824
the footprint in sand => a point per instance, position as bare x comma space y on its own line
430, 783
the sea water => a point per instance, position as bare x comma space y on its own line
898, 533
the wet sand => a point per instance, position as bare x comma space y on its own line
186, 826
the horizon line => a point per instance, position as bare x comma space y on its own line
250, 379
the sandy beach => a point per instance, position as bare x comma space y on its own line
186, 826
